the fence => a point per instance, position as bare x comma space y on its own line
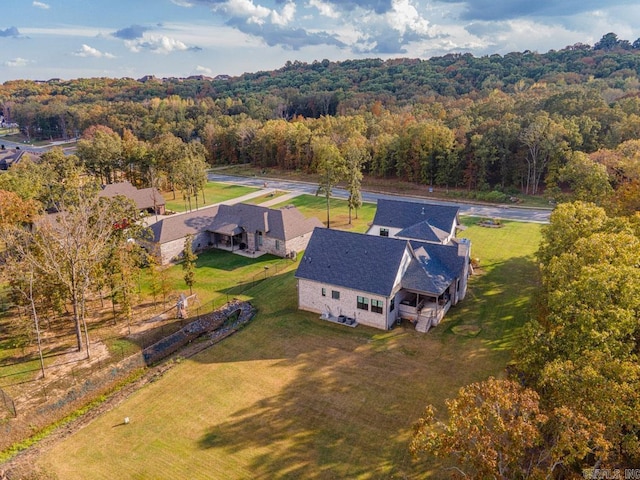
54, 398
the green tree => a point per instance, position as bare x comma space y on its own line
355, 156
191, 173
101, 152
189, 259
588, 180
330, 167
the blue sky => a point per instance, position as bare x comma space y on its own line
45, 39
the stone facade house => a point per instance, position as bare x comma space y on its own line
244, 228
148, 200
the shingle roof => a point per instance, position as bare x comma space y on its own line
435, 266
424, 231
402, 214
180, 225
353, 260
283, 224
143, 198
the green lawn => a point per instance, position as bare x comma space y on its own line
291, 396
214, 192
266, 197
312, 206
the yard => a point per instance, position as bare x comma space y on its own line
213, 193
291, 396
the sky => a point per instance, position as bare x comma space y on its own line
44, 39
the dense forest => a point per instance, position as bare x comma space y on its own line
523, 122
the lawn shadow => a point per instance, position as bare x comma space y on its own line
348, 409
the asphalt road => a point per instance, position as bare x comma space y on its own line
505, 212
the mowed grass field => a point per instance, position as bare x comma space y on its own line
291, 396
214, 192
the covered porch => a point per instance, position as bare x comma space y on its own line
423, 309
229, 236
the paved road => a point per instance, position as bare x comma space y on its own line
35, 148
505, 212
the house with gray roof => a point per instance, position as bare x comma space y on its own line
242, 228
424, 222
378, 280
146, 199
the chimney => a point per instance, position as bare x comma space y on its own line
266, 221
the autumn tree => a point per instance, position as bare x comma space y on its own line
588, 180
498, 429
355, 157
100, 149
191, 173
68, 247
330, 167
16, 211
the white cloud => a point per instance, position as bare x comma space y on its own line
324, 8
66, 31
257, 14
204, 70
16, 62
88, 51
286, 16
404, 16
182, 3
245, 9
42, 5
163, 44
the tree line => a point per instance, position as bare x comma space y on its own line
569, 404
498, 134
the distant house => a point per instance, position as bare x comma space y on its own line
12, 156
249, 229
376, 279
146, 199
415, 221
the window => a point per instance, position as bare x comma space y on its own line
376, 306
324, 292
392, 304
363, 303
384, 232
335, 294
277, 244
260, 238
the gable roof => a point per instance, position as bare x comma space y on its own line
353, 260
401, 214
282, 224
424, 231
180, 225
143, 198
434, 266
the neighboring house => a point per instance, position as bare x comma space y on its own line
379, 279
415, 221
146, 199
12, 156
240, 227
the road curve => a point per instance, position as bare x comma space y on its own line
505, 212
